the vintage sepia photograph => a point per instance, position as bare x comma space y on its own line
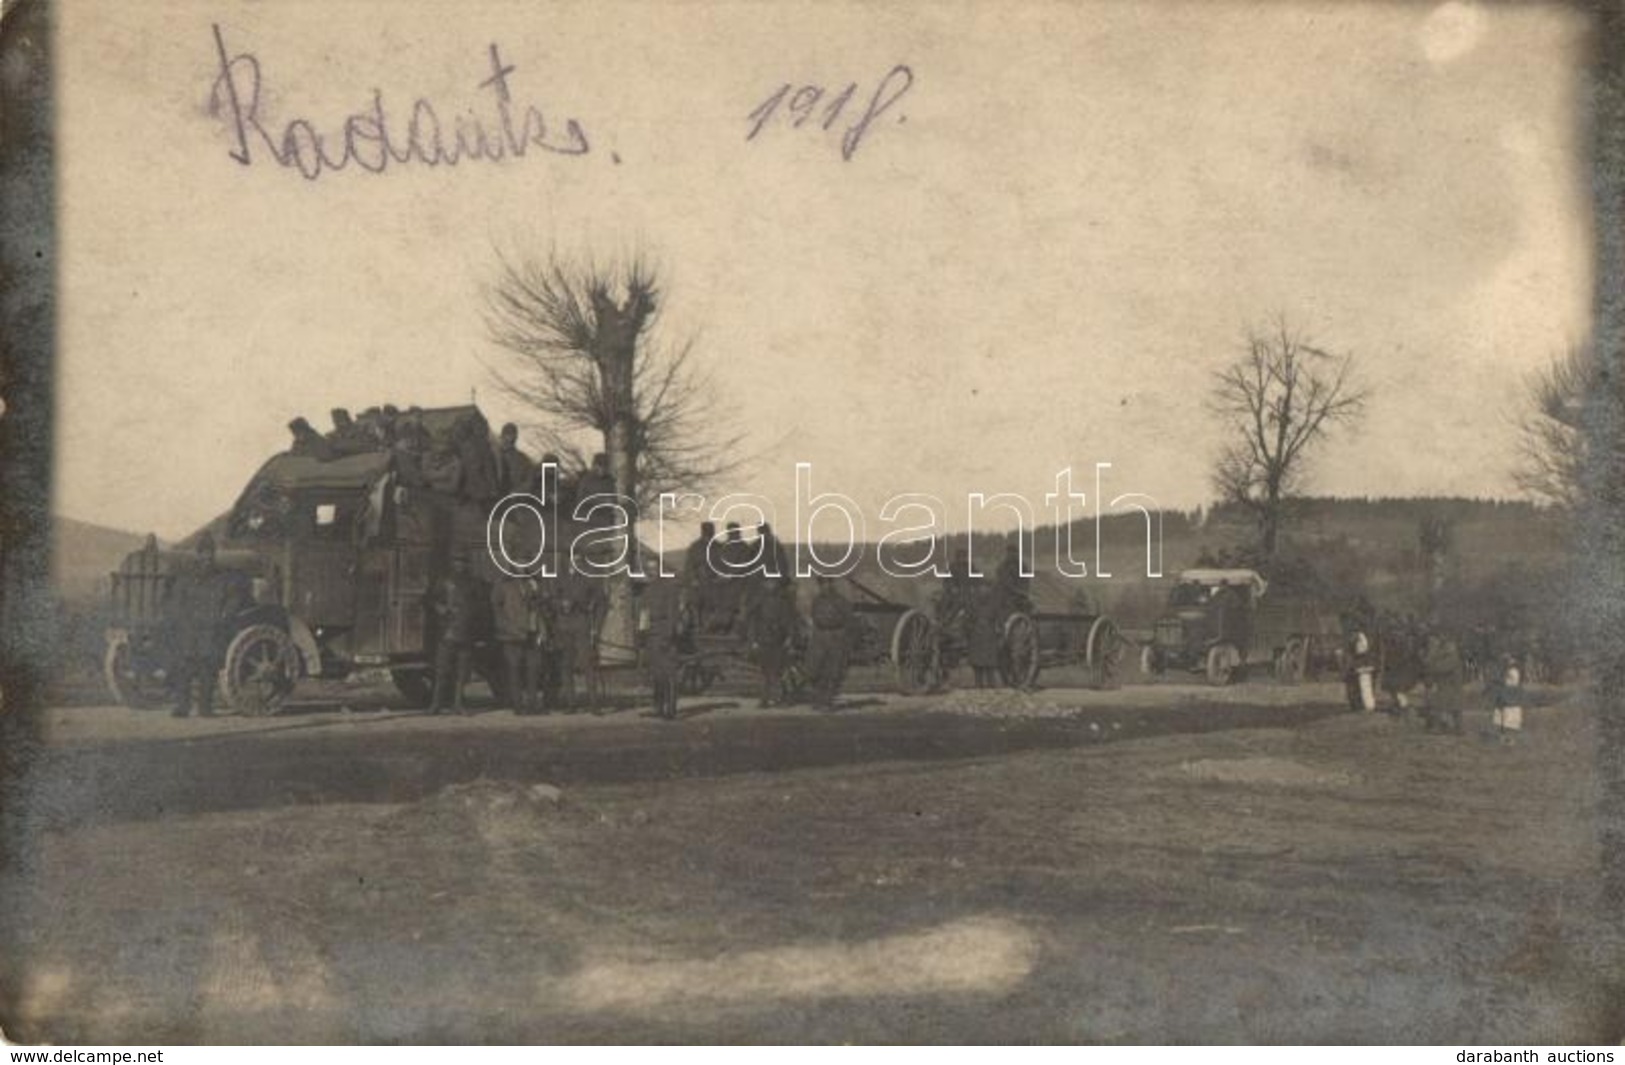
812, 523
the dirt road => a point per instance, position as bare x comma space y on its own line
1155, 864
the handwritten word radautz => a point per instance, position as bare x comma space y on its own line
379, 135
808, 103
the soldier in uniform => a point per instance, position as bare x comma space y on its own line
954, 600
307, 442
1444, 675
775, 559
1013, 588
699, 579
199, 603
735, 563
459, 605
770, 624
471, 440
661, 627
826, 654
576, 608
985, 610
514, 470
516, 618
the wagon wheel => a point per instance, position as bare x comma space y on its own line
1019, 652
260, 671
1103, 653
128, 683
914, 653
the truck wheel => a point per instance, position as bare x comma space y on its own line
127, 682
261, 669
415, 685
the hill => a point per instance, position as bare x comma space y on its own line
83, 555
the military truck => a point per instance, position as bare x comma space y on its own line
338, 555
1208, 625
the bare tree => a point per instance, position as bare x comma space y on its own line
1551, 428
1277, 401
584, 357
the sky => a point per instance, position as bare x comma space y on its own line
1035, 257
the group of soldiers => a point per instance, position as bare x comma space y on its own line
466, 464
746, 589
543, 631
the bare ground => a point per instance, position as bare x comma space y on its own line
1346, 878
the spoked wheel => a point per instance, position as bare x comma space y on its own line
1018, 652
914, 653
1104, 653
415, 685
127, 681
261, 669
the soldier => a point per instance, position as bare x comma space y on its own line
347, 438
770, 625
985, 609
953, 605
576, 606
458, 604
471, 439
410, 447
661, 627
735, 563
699, 579
1443, 672
775, 558
307, 442
1012, 587
516, 622
514, 470
826, 655
199, 603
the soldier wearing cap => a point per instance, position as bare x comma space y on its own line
827, 652
200, 602
518, 625
459, 606
514, 470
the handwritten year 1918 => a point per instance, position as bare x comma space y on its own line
808, 103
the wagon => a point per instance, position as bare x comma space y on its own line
923, 652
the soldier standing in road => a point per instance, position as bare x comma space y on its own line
826, 655
986, 612
576, 606
770, 624
1442, 670
459, 606
516, 621
198, 607
662, 652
